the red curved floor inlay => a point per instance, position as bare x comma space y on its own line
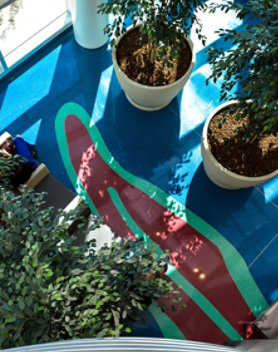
193, 322
196, 258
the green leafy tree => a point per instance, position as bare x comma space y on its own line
163, 23
8, 167
249, 70
53, 289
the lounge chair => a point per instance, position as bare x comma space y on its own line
57, 195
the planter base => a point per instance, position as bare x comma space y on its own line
143, 107
100, 45
217, 183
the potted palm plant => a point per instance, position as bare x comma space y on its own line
154, 57
240, 141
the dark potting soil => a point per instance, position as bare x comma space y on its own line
249, 159
134, 61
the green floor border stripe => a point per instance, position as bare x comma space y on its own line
234, 261
63, 147
128, 219
168, 328
166, 325
207, 307
235, 264
81, 191
176, 277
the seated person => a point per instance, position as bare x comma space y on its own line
26, 151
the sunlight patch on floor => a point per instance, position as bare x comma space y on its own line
210, 25
17, 100
270, 190
31, 134
102, 94
193, 109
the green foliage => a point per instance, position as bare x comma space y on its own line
8, 167
53, 289
162, 22
252, 63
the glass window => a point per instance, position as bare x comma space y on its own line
26, 24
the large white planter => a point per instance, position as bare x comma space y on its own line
146, 97
88, 25
220, 175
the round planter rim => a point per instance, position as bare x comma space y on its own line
193, 60
211, 156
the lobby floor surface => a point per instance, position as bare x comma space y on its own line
143, 173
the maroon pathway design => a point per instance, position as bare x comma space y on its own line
191, 252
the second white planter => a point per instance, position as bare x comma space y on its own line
146, 97
219, 174
88, 25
